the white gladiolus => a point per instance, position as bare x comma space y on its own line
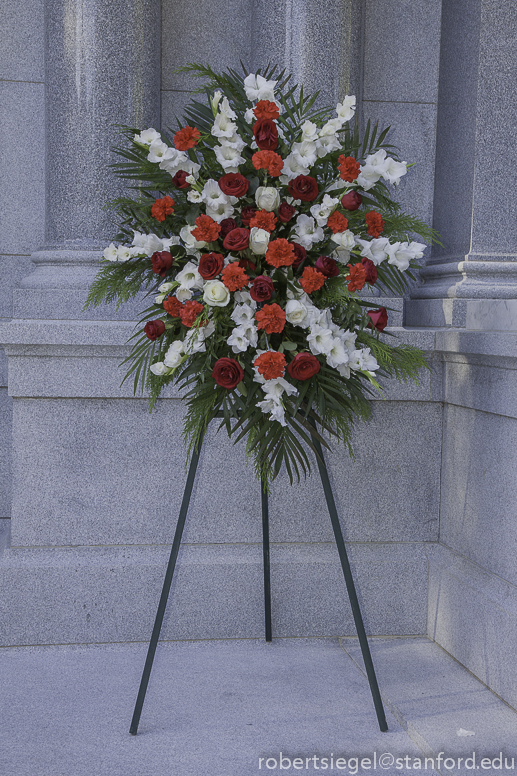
223, 126
157, 149
362, 360
226, 110
183, 294
238, 340
292, 168
215, 293
242, 314
277, 387
243, 297
258, 88
345, 240
306, 232
305, 153
251, 333
309, 131
337, 354
191, 244
259, 240
147, 136
267, 198
189, 276
376, 250
220, 211
111, 252
399, 255
394, 171
320, 340
322, 211
346, 109
194, 341
194, 196
123, 253
229, 158
214, 101
275, 408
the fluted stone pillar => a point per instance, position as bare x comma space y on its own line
472, 281
102, 68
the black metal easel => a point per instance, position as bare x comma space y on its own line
338, 534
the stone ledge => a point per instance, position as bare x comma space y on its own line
110, 594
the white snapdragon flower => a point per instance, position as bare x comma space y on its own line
259, 240
346, 109
174, 355
292, 168
376, 250
238, 340
147, 136
306, 232
322, 211
157, 150
305, 153
320, 340
159, 369
296, 313
111, 252
242, 314
267, 198
259, 88
189, 276
215, 293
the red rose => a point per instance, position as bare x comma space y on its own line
179, 181
247, 213
266, 134
303, 187
162, 262
227, 372
247, 264
154, 329
210, 265
351, 201
234, 184
327, 266
237, 240
262, 289
371, 270
286, 212
300, 253
227, 224
304, 366
378, 318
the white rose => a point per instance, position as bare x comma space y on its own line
159, 368
216, 294
111, 253
259, 239
295, 312
267, 198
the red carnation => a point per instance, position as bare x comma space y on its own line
378, 318
303, 187
190, 312
227, 373
349, 168
304, 366
374, 222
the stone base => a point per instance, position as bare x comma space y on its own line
100, 594
472, 314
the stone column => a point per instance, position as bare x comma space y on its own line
472, 281
102, 69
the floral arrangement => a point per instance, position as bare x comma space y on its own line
254, 226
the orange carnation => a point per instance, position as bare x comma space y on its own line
173, 306
271, 364
374, 222
348, 168
271, 318
268, 160
356, 277
162, 208
311, 280
234, 277
186, 138
265, 109
207, 230
337, 222
190, 312
264, 220
280, 253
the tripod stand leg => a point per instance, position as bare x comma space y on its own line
165, 590
358, 619
265, 552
